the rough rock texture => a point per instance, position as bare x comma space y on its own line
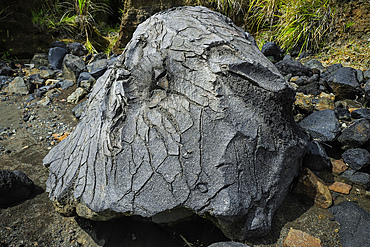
354, 224
191, 116
321, 125
357, 134
356, 158
15, 186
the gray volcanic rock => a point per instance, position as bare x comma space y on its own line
15, 186
344, 83
321, 125
290, 66
355, 135
191, 116
316, 158
354, 224
356, 158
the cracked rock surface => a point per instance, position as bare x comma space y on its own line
192, 116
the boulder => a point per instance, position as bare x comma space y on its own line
356, 158
192, 116
56, 56
357, 134
344, 83
321, 125
354, 224
15, 186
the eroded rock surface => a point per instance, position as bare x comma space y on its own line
192, 116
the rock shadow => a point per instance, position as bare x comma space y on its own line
293, 207
138, 231
37, 190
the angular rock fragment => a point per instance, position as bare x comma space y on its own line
191, 116
313, 187
15, 186
321, 125
356, 158
344, 83
357, 134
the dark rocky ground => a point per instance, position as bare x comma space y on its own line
26, 136
26, 140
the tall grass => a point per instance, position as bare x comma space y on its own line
293, 24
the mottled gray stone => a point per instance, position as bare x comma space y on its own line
72, 67
356, 158
321, 125
355, 135
18, 86
191, 116
354, 224
78, 94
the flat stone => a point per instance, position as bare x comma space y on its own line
340, 187
77, 95
297, 238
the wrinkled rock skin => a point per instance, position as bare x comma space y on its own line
191, 116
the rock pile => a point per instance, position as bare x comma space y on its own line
330, 108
